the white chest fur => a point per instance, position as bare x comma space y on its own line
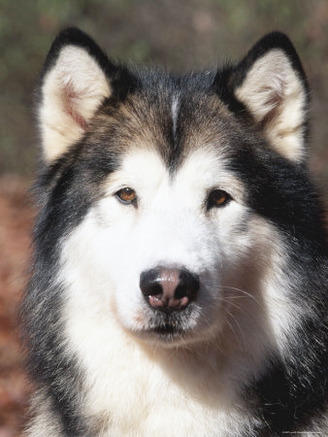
132, 390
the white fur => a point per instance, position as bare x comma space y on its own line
45, 423
273, 89
71, 93
137, 387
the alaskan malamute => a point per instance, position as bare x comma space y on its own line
180, 267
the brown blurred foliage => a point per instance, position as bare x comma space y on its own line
15, 224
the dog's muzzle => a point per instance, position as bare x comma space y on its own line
169, 289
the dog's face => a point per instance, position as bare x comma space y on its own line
165, 241
166, 244
175, 178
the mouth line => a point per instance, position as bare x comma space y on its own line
169, 326
167, 333
166, 329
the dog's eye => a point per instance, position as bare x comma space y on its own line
217, 198
126, 195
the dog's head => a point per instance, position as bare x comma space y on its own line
164, 196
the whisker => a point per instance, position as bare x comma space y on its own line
245, 294
233, 304
240, 338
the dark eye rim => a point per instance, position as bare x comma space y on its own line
133, 201
211, 203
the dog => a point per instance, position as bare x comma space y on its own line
179, 283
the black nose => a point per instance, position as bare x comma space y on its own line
169, 289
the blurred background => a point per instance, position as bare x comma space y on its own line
185, 34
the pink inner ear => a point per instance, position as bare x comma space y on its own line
70, 98
274, 99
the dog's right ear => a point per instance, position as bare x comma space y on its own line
76, 79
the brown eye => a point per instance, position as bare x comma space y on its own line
126, 195
217, 198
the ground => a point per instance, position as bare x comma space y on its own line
16, 217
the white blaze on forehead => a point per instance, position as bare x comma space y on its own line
175, 113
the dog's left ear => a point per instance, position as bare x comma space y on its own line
270, 82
